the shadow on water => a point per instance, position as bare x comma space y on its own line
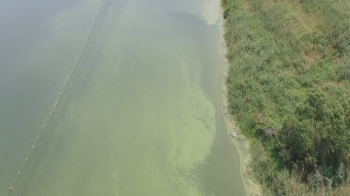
216, 173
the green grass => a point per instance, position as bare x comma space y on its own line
285, 57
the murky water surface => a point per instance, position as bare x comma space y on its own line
124, 94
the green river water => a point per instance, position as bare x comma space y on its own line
138, 92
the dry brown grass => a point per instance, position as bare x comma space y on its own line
332, 83
310, 59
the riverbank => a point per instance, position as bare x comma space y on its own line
240, 142
288, 80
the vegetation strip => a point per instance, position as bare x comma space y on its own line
289, 91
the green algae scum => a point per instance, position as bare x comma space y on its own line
114, 97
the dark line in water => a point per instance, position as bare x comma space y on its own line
60, 95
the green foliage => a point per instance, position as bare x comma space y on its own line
321, 72
294, 79
318, 133
342, 44
343, 71
226, 12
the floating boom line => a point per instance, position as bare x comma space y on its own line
11, 188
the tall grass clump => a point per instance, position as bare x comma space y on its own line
289, 91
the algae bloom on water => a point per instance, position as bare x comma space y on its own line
116, 97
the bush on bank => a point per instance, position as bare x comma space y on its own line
289, 91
